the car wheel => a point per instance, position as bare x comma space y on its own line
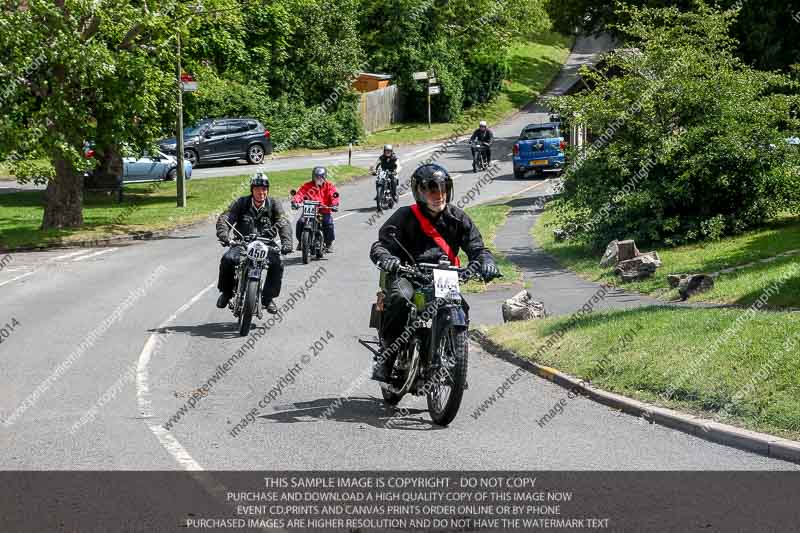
519, 174
191, 156
255, 154
172, 174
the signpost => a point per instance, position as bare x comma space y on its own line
432, 89
186, 84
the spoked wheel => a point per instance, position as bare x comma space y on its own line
448, 382
248, 307
391, 394
305, 246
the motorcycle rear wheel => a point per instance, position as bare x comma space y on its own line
391, 395
443, 409
248, 307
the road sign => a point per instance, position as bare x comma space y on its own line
431, 81
189, 86
434, 89
421, 75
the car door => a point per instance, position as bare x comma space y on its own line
237, 137
215, 142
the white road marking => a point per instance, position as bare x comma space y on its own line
142, 385
342, 216
15, 279
175, 449
71, 254
95, 254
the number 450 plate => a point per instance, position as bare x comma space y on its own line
445, 283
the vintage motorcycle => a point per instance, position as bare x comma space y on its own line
433, 359
383, 189
249, 276
480, 156
312, 240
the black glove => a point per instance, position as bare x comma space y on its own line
286, 248
295, 205
389, 264
224, 240
335, 208
489, 271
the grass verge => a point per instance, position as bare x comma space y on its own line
147, 207
742, 286
533, 63
743, 372
489, 218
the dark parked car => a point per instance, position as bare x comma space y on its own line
224, 139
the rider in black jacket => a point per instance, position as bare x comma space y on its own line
433, 191
483, 134
257, 213
388, 161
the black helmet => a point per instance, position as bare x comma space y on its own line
430, 175
259, 179
319, 171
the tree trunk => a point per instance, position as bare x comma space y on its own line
63, 197
108, 169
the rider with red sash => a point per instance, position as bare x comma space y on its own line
427, 230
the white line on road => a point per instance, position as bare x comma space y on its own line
526, 189
142, 385
342, 216
95, 254
71, 254
15, 279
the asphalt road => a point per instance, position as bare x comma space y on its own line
109, 343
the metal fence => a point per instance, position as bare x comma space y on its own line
380, 108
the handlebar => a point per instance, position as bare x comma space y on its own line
269, 241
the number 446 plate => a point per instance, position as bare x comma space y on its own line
445, 283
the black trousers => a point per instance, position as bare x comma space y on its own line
227, 268
488, 154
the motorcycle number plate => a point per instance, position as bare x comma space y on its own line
445, 283
309, 210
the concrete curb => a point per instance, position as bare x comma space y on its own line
761, 443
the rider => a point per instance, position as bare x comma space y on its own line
482, 134
322, 190
260, 214
388, 162
433, 191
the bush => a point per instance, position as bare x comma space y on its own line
690, 143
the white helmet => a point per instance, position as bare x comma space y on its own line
482, 124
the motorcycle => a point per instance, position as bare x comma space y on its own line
433, 360
384, 196
312, 240
249, 276
480, 156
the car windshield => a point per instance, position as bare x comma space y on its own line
539, 133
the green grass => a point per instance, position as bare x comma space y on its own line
534, 64
147, 207
740, 287
751, 378
489, 218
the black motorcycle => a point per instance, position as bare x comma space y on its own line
384, 189
433, 359
480, 156
312, 240
249, 277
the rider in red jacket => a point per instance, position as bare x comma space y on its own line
321, 190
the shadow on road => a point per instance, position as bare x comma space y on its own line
358, 409
212, 330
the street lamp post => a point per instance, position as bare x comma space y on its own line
181, 178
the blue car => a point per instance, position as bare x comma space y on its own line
539, 149
150, 168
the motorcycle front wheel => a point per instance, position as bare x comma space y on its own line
305, 246
319, 245
379, 198
248, 307
447, 388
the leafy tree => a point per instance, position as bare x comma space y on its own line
92, 70
689, 142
